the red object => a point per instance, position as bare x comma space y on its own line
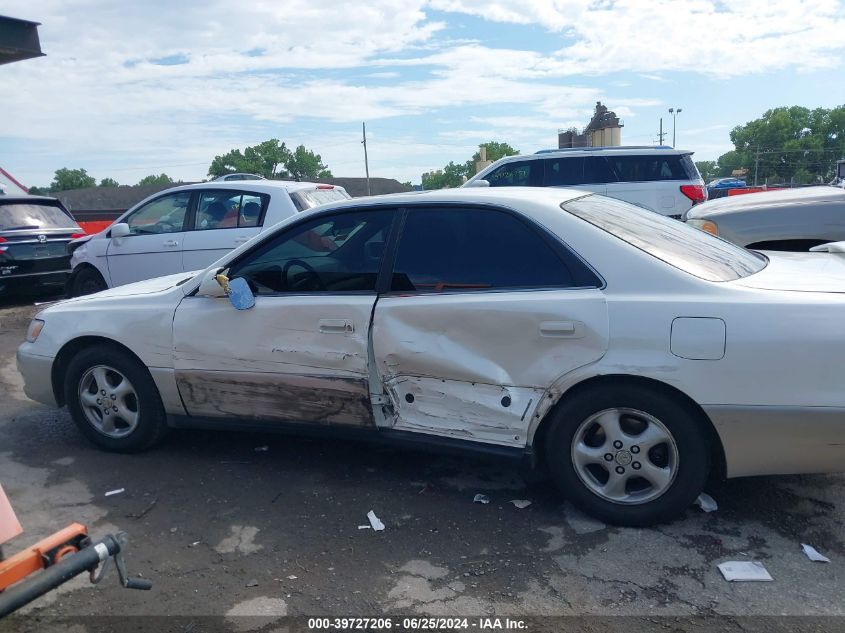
94, 227
41, 555
3, 239
696, 193
739, 192
76, 235
325, 186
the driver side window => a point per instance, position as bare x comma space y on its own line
336, 253
162, 215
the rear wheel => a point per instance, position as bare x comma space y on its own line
86, 282
113, 400
627, 455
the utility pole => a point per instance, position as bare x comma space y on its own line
661, 134
756, 163
366, 160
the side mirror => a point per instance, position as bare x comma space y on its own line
478, 183
240, 295
121, 229
210, 286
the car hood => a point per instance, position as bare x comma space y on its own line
148, 286
802, 272
765, 200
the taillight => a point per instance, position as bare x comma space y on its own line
696, 193
3, 248
77, 235
325, 186
3, 239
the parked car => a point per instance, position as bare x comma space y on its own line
782, 220
727, 183
660, 179
631, 354
34, 234
238, 176
186, 228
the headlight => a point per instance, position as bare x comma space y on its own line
35, 327
705, 225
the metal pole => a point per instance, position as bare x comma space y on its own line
756, 163
366, 160
661, 135
674, 126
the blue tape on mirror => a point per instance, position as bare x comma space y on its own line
240, 295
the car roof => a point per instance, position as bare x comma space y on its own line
763, 199
28, 198
262, 186
503, 196
603, 151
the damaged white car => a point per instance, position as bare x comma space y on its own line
631, 355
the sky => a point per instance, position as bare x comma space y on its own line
130, 89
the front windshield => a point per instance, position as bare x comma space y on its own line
676, 243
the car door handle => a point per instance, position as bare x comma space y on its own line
562, 329
241, 240
335, 326
171, 244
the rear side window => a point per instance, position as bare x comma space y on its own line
20, 215
228, 209
648, 168
676, 243
466, 249
561, 172
521, 173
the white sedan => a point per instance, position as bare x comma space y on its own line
186, 228
629, 354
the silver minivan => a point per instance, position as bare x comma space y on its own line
659, 178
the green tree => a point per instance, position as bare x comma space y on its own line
66, 179
39, 191
707, 168
495, 151
306, 165
788, 144
452, 175
268, 159
109, 182
152, 179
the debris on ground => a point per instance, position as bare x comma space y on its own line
744, 571
706, 502
262, 449
521, 503
813, 554
195, 543
365, 527
291, 577
252, 583
376, 524
115, 492
143, 513
479, 498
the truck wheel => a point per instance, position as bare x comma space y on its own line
113, 400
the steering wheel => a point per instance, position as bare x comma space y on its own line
307, 268
164, 226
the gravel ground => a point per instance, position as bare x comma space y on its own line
228, 531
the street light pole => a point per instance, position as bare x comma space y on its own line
674, 112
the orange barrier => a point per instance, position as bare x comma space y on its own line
739, 192
94, 226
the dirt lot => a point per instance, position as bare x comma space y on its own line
224, 529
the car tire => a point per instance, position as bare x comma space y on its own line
86, 282
113, 400
627, 455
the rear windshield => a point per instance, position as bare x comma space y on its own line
31, 215
676, 243
308, 198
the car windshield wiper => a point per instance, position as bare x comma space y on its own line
19, 228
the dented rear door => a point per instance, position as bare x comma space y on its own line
482, 317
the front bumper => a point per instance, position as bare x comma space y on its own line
768, 440
37, 376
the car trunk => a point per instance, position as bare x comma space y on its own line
803, 272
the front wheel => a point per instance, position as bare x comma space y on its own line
113, 400
86, 282
628, 456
